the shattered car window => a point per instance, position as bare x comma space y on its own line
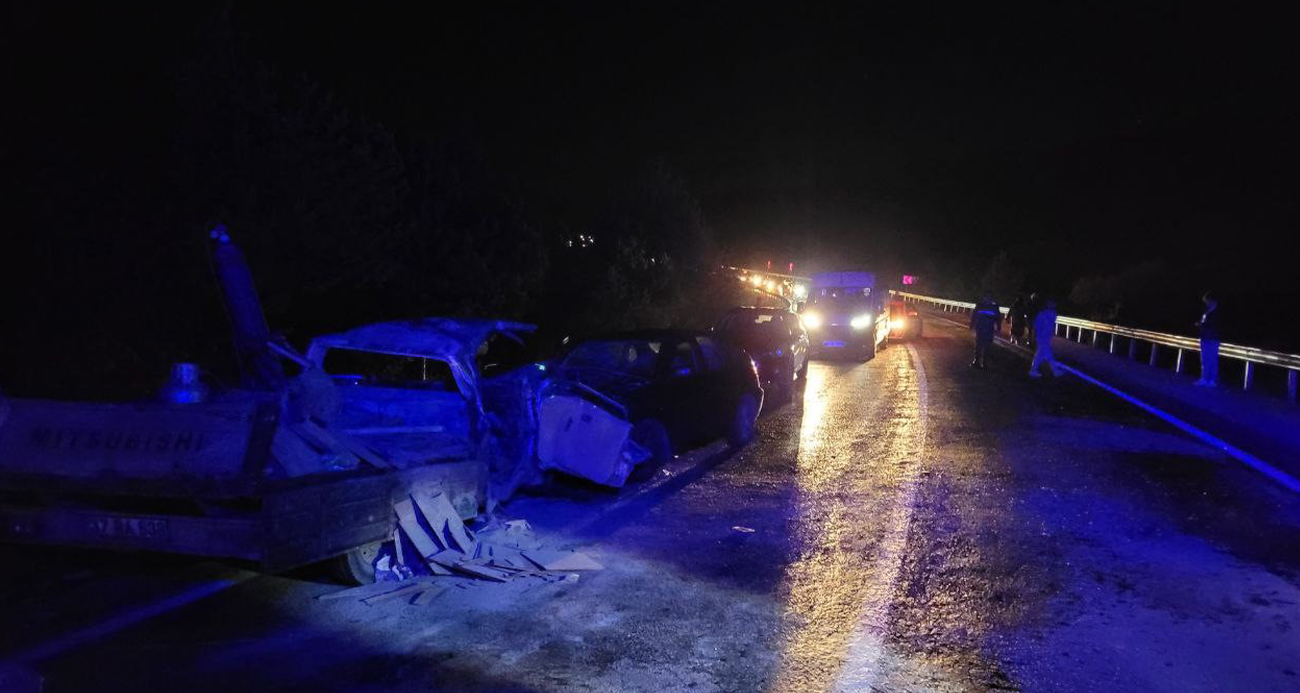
750, 325
502, 352
683, 362
355, 367
634, 357
714, 361
843, 298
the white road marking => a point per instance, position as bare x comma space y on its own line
862, 669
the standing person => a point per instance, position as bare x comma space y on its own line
1018, 317
984, 321
1044, 329
1032, 306
1210, 340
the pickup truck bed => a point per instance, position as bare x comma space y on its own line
199, 479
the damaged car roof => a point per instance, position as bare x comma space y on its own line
436, 337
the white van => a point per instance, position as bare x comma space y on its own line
846, 314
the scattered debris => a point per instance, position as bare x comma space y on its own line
359, 593
482, 571
449, 530
562, 560
427, 596
746, 530
424, 544
432, 551
408, 590
516, 534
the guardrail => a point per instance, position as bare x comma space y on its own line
1250, 356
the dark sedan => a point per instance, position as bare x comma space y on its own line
676, 387
774, 338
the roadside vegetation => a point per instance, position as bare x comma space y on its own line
343, 222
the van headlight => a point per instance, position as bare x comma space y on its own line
812, 320
861, 322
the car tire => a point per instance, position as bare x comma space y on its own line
869, 350
785, 384
742, 421
803, 369
356, 567
652, 436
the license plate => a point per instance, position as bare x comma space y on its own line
127, 527
833, 343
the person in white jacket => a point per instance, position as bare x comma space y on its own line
1044, 330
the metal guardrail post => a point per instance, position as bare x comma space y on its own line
1095, 334
1155, 354
1132, 349
1112, 342
1178, 365
1249, 376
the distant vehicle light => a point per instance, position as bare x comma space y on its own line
800, 291
860, 322
758, 281
812, 321
771, 285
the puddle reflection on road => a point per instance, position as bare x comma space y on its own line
852, 475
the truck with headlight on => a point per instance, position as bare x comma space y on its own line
845, 315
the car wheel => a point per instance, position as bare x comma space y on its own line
652, 436
742, 421
869, 350
803, 369
356, 567
784, 385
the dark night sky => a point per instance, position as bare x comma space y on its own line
1091, 138
1084, 139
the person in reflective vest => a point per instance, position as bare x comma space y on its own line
1044, 330
985, 320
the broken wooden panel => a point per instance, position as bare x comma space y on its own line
425, 544
441, 516
405, 591
562, 560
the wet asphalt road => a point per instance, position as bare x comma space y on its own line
907, 524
